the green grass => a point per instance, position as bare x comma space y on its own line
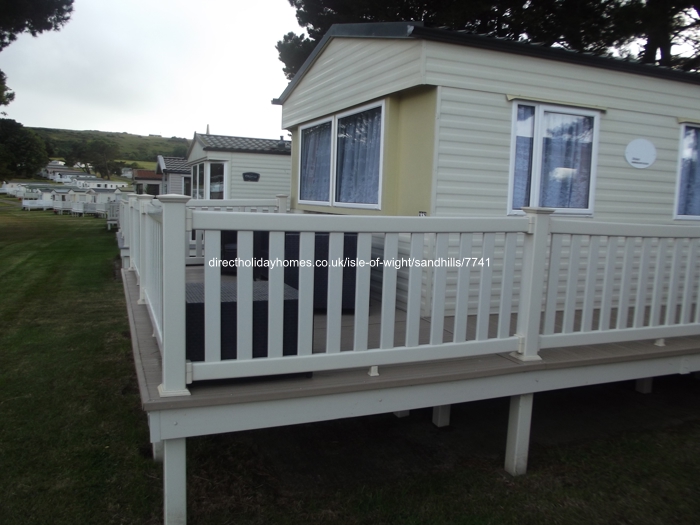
74, 440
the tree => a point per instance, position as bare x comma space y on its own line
102, 154
6, 96
593, 26
28, 16
77, 154
22, 153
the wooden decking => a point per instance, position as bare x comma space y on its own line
559, 368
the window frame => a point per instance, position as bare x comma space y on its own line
536, 169
677, 200
333, 173
206, 176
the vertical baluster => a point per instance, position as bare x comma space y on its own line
334, 308
657, 293
275, 297
504, 312
462, 293
572, 284
591, 278
413, 295
391, 252
212, 297
437, 318
608, 284
640, 304
552, 283
362, 286
673, 282
690, 273
484, 309
306, 294
244, 298
625, 284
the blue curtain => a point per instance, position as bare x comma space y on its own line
525, 129
567, 147
689, 199
358, 152
316, 163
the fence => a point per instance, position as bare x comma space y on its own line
575, 286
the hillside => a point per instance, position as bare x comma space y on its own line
131, 147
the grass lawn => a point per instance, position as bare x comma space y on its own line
74, 441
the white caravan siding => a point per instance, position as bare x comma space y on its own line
275, 174
475, 123
351, 71
175, 184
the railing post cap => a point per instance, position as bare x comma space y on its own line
538, 211
169, 198
282, 196
144, 197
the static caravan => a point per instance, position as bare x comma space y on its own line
176, 175
400, 119
224, 167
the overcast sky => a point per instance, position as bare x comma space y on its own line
166, 67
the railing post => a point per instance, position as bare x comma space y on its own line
281, 203
532, 284
173, 301
142, 203
133, 232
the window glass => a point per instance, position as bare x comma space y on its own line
216, 180
187, 186
358, 153
567, 146
553, 158
315, 172
524, 135
689, 181
199, 182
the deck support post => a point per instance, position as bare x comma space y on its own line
142, 202
532, 284
402, 413
174, 364
644, 385
175, 481
518, 441
441, 416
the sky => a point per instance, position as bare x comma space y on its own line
163, 67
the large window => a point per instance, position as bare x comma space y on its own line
341, 159
208, 181
553, 158
688, 198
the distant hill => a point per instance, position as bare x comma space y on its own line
131, 147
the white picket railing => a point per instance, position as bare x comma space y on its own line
630, 282
61, 206
152, 266
575, 285
37, 205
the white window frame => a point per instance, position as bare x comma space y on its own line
331, 186
207, 173
334, 144
536, 173
677, 200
